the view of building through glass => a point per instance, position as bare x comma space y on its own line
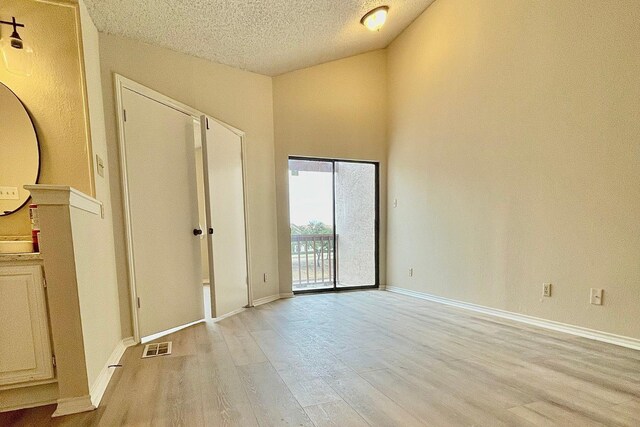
332, 210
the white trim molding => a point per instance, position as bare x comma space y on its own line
231, 313
100, 385
148, 338
265, 300
62, 195
272, 298
579, 331
259, 301
73, 405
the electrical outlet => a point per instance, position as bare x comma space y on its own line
595, 296
411, 272
9, 193
395, 203
546, 289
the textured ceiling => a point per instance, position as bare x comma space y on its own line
265, 36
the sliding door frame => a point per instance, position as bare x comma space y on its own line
335, 287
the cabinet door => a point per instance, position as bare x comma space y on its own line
25, 352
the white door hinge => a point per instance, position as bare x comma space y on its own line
53, 360
44, 282
206, 119
124, 113
138, 301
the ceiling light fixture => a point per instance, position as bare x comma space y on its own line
16, 53
375, 18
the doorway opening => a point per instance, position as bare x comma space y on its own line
333, 211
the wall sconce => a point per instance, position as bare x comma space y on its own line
17, 55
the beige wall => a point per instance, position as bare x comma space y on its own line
333, 110
97, 292
239, 98
96, 270
82, 295
53, 95
513, 153
62, 298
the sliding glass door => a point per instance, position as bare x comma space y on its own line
333, 209
312, 225
355, 223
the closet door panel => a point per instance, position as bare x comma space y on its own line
225, 208
162, 194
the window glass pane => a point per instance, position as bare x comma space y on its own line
311, 216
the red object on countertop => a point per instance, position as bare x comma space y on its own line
35, 227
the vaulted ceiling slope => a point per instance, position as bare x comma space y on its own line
265, 36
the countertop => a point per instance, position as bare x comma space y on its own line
27, 256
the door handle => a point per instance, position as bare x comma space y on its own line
197, 232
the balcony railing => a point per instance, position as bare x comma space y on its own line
312, 261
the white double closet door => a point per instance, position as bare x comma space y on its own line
164, 241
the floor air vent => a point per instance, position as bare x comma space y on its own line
156, 349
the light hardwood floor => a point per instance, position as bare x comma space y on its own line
367, 358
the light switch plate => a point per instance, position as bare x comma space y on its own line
595, 296
100, 166
8, 193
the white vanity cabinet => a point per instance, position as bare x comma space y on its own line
25, 347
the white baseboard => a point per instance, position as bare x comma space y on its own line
232, 313
73, 405
149, 338
265, 300
579, 331
256, 303
100, 385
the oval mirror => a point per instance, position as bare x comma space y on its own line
19, 152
